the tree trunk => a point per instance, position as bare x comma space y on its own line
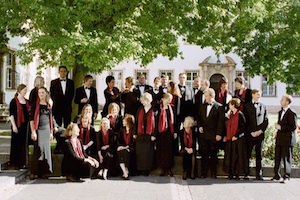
78, 80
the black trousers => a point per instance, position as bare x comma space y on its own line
63, 117
257, 145
209, 151
283, 153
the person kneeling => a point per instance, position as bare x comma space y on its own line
76, 163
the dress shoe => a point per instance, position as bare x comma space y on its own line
275, 178
259, 178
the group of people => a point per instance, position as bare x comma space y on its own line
144, 126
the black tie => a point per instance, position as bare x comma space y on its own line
87, 88
62, 79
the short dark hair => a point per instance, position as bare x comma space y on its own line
87, 77
240, 80
62, 67
109, 79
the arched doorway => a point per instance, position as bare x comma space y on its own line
214, 81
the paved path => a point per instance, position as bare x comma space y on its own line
152, 188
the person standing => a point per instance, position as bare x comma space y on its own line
164, 83
39, 82
211, 123
241, 92
62, 94
19, 118
145, 135
156, 93
165, 135
87, 94
42, 129
257, 122
111, 94
286, 127
130, 97
142, 86
235, 159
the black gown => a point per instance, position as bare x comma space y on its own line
164, 144
108, 154
19, 141
125, 155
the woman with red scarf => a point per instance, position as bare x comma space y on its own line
145, 135
126, 145
76, 163
19, 118
105, 147
87, 135
42, 128
115, 118
188, 148
165, 135
235, 159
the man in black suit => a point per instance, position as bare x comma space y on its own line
257, 123
87, 94
285, 138
164, 83
62, 94
211, 123
142, 86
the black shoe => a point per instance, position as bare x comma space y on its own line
126, 178
74, 179
286, 177
275, 178
171, 173
230, 177
259, 178
237, 178
184, 176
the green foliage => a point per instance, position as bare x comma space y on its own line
98, 34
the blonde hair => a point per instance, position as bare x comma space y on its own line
104, 119
38, 81
113, 105
173, 89
85, 115
83, 111
129, 120
129, 80
210, 92
190, 120
69, 131
146, 96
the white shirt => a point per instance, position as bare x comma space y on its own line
283, 112
87, 92
208, 109
63, 85
142, 89
156, 90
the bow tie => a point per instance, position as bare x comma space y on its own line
256, 103
87, 88
142, 85
209, 104
62, 79
156, 89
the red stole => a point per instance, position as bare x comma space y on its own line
20, 112
150, 124
77, 148
163, 120
232, 125
37, 116
221, 97
188, 138
105, 137
127, 136
87, 137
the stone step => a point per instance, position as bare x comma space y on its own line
9, 178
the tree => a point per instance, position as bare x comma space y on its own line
93, 35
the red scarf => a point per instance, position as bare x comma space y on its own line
127, 136
37, 116
232, 125
77, 148
20, 112
105, 137
188, 138
163, 122
87, 137
150, 126
221, 97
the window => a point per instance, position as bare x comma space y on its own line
11, 74
118, 75
190, 76
268, 90
145, 72
245, 75
169, 73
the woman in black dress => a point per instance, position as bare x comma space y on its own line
42, 129
126, 145
241, 92
87, 135
115, 118
76, 163
111, 94
105, 147
235, 160
165, 135
188, 148
19, 118
145, 135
